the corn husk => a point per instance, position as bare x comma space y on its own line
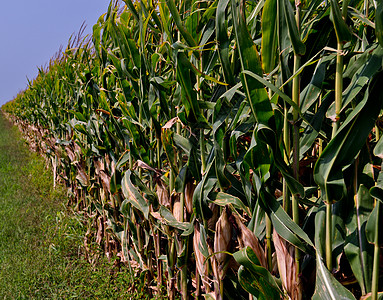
189, 191
199, 258
105, 180
201, 266
222, 241
176, 207
292, 283
162, 193
82, 176
247, 238
70, 153
211, 223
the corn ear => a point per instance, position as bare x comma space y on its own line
247, 238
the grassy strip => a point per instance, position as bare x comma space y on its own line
40, 242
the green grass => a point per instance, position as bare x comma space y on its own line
41, 242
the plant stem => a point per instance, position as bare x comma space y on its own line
158, 148
338, 107
140, 121
201, 133
286, 140
375, 271
329, 236
172, 260
268, 242
296, 99
184, 273
338, 87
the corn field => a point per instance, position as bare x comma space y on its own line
227, 149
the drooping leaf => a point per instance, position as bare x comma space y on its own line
371, 225
357, 249
343, 33
346, 144
132, 193
254, 278
367, 71
283, 223
169, 218
326, 286
296, 41
379, 22
177, 19
170, 149
223, 199
200, 196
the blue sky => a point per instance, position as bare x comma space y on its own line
31, 32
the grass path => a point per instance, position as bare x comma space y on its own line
39, 241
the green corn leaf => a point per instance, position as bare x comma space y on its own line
201, 192
346, 144
223, 199
79, 115
253, 158
222, 110
312, 130
357, 249
170, 149
320, 230
177, 19
133, 195
189, 99
165, 19
379, 22
167, 215
377, 190
192, 22
342, 31
363, 76
123, 160
311, 92
371, 226
269, 41
254, 278
378, 149
296, 41
249, 57
256, 94
283, 224
202, 244
224, 42
132, 8
326, 286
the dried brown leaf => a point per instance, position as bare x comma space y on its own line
169, 124
145, 166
